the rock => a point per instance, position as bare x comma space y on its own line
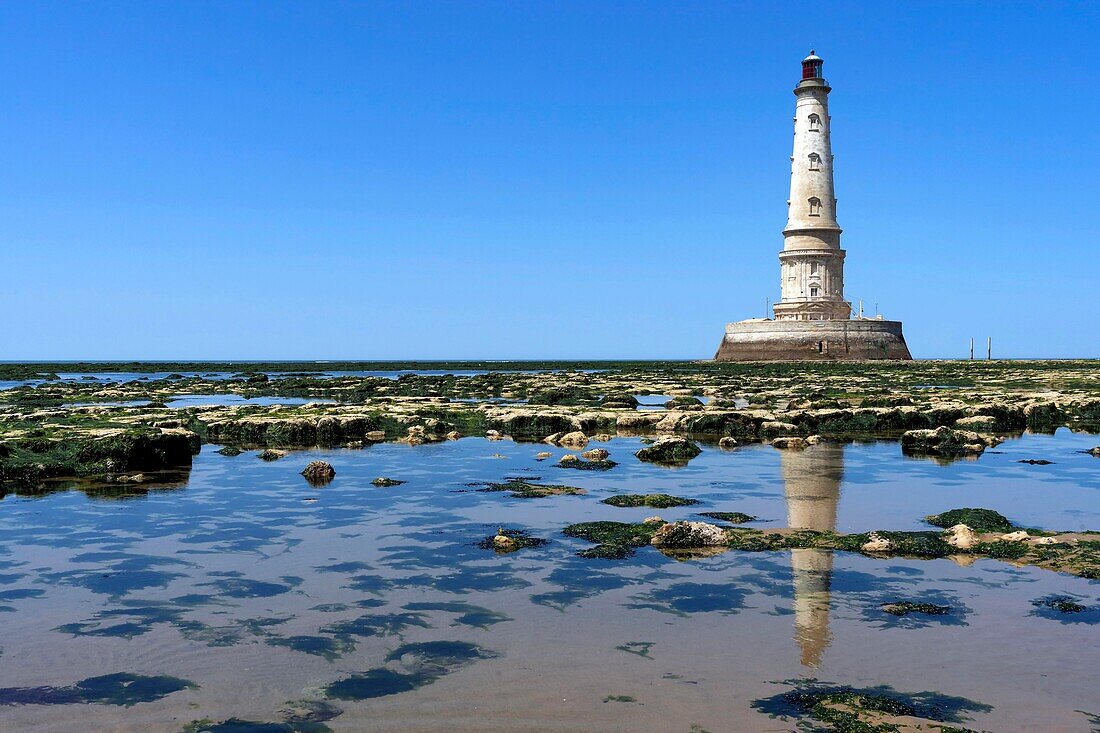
942, 441
543, 455
319, 472
383, 482
504, 543
1036, 461
669, 449
601, 438
493, 435
230, 451
271, 454
354, 444
1019, 536
596, 454
569, 458
961, 537
813, 439
689, 534
454, 435
553, 438
308, 711
375, 436
648, 520
727, 442
980, 423
1095, 451
1044, 540
575, 439
877, 543
775, 428
789, 443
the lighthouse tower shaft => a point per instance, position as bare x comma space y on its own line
812, 262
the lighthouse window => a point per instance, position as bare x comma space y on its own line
815, 206
815, 123
813, 292
815, 162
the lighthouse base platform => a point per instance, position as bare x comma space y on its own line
841, 340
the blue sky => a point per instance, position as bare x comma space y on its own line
532, 180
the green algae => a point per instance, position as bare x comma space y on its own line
121, 688
521, 489
599, 464
237, 725
979, 520
426, 662
1060, 604
518, 539
845, 709
468, 614
327, 647
615, 540
904, 608
378, 682
637, 648
731, 517
656, 501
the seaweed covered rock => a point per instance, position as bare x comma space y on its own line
384, 482
669, 450
777, 428
230, 451
980, 520
731, 517
790, 443
614, 540
904, 608
685, 535
619, 400
509, 540
596, 454
45, 453
571, 461
271, 454
319, 472
684, 402
656, 501
522, 489
575, 439
727, 443
978, 423
943, 441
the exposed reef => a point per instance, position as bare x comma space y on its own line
53, 428
1068, 552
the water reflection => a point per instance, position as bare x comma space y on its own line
811, 487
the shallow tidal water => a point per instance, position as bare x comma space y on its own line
246, 588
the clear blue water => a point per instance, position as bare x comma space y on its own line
260, 589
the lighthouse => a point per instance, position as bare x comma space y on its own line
812, 320
812, 262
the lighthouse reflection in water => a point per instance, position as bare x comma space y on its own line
811, 486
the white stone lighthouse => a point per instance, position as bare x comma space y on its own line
812, 318
812, 262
